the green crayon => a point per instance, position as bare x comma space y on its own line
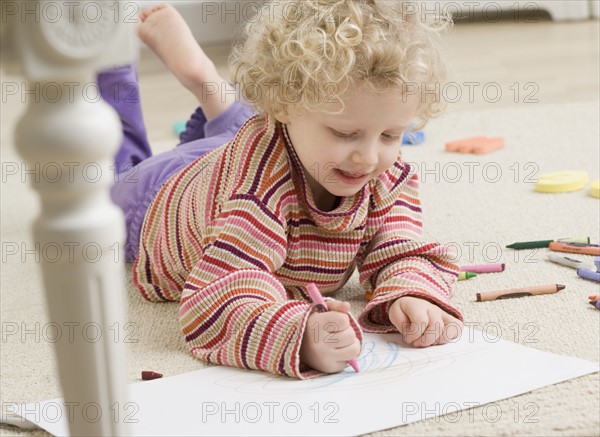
546, 243
462, 276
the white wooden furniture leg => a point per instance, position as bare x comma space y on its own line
60, 46
595, 8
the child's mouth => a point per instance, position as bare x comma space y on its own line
350, 178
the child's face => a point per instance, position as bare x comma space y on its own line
364, 140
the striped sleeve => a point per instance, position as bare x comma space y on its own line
396, 264
233, 310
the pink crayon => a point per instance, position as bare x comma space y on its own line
483, 268
318, 300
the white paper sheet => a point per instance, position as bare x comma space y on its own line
397, 384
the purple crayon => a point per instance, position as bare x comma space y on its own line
586, 274
596, 304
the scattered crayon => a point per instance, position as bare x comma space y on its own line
596, 304
179, 127
570, 262
596, 297
586, 274
584, 249
462, 276
148, 375
413, 138
483, 268
478, 145
546, 243
519, 292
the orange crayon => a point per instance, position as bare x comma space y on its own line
596, 297
584, 249
519, 292
478, 145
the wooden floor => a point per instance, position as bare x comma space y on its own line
491, 64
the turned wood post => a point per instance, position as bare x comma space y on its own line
59, 46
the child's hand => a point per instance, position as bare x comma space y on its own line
329, 340
422, 323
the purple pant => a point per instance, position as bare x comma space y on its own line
141, 175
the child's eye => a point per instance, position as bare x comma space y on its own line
343, 134
391, 138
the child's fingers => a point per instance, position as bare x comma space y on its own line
331, 321
337, 305
439, 329
398, 318
416, 326
336, 340
345, 338
453, 327
347, 352
431, 333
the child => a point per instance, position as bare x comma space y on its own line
250, 208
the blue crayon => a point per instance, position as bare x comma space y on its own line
596, 304
179, 127
413, 138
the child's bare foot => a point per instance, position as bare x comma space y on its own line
167, 34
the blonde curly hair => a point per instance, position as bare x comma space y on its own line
305, 53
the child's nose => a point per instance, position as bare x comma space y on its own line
365, 156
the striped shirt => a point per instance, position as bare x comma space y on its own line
236, 236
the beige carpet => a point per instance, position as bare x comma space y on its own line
478, 211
